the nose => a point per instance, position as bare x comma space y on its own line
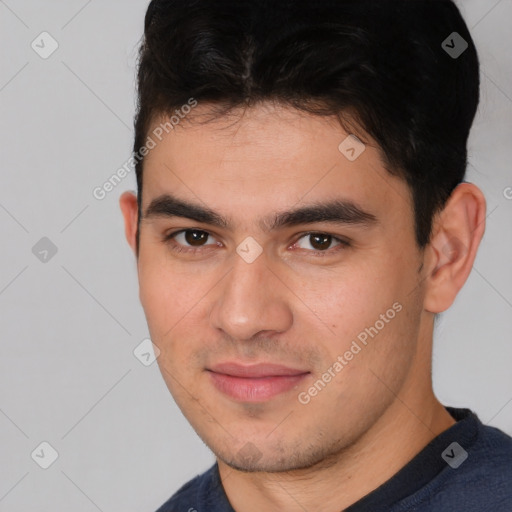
251, 300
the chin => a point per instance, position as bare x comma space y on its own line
262, 465
249, 459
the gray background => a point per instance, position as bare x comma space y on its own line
69, 325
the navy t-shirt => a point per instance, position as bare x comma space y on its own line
466, 468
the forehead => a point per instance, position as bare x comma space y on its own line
268, 158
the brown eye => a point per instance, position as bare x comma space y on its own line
320, 242
195, 237
189, 240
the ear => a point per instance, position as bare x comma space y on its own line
451, 252
128, 205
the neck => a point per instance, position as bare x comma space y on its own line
408, 425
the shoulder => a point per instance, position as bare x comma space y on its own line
483, 481
491, 454
496, 440
189, 496
476, 472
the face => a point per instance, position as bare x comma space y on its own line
280, 283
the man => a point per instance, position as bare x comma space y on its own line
301, 218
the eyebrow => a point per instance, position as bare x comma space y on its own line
335, 211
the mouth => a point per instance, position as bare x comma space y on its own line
255, 383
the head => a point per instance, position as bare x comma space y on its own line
300, 202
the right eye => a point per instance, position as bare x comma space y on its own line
187, 240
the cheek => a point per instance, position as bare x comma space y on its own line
168, 301
165, 294
175, 303
349, 300
367, 311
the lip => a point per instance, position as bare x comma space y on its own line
256, 370
254, 383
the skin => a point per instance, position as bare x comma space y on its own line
297, 304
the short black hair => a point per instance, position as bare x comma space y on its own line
382, 61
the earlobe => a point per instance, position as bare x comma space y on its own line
452, 249
129, 209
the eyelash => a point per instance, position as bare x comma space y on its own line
176, 247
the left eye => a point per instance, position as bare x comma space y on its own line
319, 241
